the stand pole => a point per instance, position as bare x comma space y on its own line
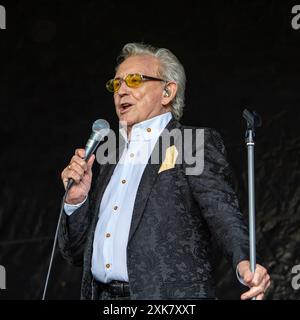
253, 121
251, 197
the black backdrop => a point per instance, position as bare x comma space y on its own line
55, 59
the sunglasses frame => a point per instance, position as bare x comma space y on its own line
143, 79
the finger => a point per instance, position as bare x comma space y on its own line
90, 162
79, 161
77, 168
266, 283
253, 292
262, 287
64, 177
259, 274
80, 153
243, 269
260, 296
74, 175
245, 272
248, 276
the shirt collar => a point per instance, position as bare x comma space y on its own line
149, 129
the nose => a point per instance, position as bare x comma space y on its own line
124, 89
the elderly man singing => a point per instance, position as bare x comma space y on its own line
144, 230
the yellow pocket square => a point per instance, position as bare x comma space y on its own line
170, 159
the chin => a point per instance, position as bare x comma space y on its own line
127, 119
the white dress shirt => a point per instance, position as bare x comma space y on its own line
109, 259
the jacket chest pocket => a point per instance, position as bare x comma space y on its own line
174, 181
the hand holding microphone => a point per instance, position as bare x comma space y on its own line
77, 176
80, 172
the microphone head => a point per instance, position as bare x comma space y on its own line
100, 129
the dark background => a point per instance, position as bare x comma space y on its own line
55, 59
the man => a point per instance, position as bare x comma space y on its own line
144, 231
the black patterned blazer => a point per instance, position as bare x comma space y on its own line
174, 219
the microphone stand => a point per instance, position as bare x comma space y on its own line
253, 121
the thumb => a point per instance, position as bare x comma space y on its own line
90, 162
245, 271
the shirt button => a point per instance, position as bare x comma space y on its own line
107, 266
131, 155
107, 235
149, 130
123, 181
115, 208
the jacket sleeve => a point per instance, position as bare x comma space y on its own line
72, 234
213, 192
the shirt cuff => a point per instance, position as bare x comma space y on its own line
240, 278
70, 208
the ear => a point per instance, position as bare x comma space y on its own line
169, 93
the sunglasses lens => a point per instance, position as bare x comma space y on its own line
110, 85
134, 80
113, 85
116, 84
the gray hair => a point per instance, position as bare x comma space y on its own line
170, 70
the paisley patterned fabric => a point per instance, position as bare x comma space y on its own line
174, 219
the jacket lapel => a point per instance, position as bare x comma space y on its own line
147, 181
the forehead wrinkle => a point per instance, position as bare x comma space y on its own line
138, 66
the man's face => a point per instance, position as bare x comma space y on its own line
134, 105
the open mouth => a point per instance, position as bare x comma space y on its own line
124, 107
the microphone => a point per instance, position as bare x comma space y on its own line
100, 130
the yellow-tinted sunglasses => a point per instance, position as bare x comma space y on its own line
132, 81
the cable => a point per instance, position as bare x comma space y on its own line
54, 244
